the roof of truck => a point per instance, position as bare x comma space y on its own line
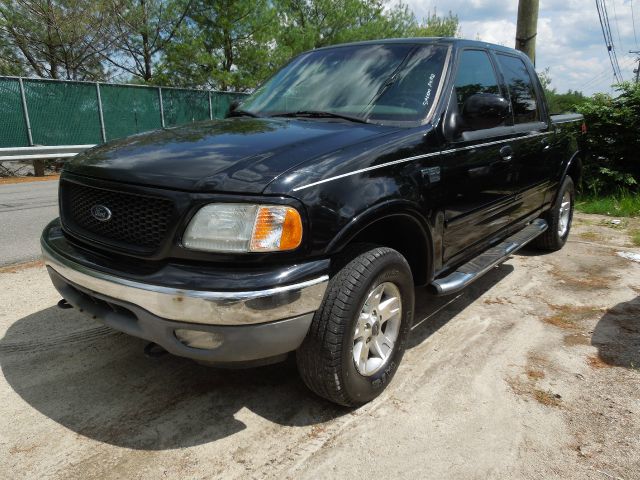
457, 42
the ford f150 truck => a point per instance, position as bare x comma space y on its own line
305, 220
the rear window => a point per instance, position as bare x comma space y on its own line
523, 95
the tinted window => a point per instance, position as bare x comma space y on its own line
523, 95
372, 82
475, 75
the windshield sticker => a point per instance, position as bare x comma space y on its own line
427, 97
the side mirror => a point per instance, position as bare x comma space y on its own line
485, 110
233, 106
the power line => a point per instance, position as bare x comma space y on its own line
613, 48
633, 22
608, 38
602, 75
616, 24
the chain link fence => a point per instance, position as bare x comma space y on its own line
35, 112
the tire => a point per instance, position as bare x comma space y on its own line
556, 235
349, 321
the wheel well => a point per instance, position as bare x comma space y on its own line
404, 234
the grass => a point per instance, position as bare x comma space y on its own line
626, 204
635, 237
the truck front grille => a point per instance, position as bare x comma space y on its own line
136, 222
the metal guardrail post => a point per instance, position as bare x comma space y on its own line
26, 112
210, 109
161, 107
103, 132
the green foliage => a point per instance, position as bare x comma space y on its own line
612, 141
140, 32
54, 38
9, 62
622, 204
559, 102
224, 44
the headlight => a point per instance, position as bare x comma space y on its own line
241, 227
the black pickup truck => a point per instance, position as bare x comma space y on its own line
305, 220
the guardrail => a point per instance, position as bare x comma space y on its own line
41, 153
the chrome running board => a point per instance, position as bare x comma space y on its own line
474, 269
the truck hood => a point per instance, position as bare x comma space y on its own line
234, 155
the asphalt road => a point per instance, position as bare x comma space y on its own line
25, 208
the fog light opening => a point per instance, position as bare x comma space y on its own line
198, 339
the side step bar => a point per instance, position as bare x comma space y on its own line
474, 269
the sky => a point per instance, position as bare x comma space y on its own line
569, 42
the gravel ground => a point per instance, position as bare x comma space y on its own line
533, 372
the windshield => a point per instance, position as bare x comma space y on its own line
375, 83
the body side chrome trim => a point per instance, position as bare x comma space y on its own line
418, 157
196, 306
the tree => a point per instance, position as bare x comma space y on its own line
141, 31
224, 44
9, 62
56, 38
307, 24
233, 45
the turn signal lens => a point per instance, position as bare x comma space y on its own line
276, 228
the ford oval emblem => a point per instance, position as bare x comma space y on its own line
101, 213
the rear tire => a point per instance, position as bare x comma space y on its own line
357, 337
559, 219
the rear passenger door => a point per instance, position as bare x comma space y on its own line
532, 166
477, 168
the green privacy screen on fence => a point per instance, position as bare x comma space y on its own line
129, 110
13, 130
184, 106
68, 113
62, 113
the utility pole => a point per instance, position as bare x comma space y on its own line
637, 70
527, 28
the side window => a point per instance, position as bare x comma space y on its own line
523, 95
475, 75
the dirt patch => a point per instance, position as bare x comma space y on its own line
595, 361
585, 278
528, 385
575, 339
12, 180
529, 390
534, 374
569, 317
21, 266
590, 236
498, 301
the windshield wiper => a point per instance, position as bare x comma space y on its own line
319, 114
243, 113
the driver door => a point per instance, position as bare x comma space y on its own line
477, 166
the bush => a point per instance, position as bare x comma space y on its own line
612, 141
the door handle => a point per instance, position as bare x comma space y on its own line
506, 153
545, 144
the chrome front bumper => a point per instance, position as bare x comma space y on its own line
195, 306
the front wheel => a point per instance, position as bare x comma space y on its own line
559, 219
357, 338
